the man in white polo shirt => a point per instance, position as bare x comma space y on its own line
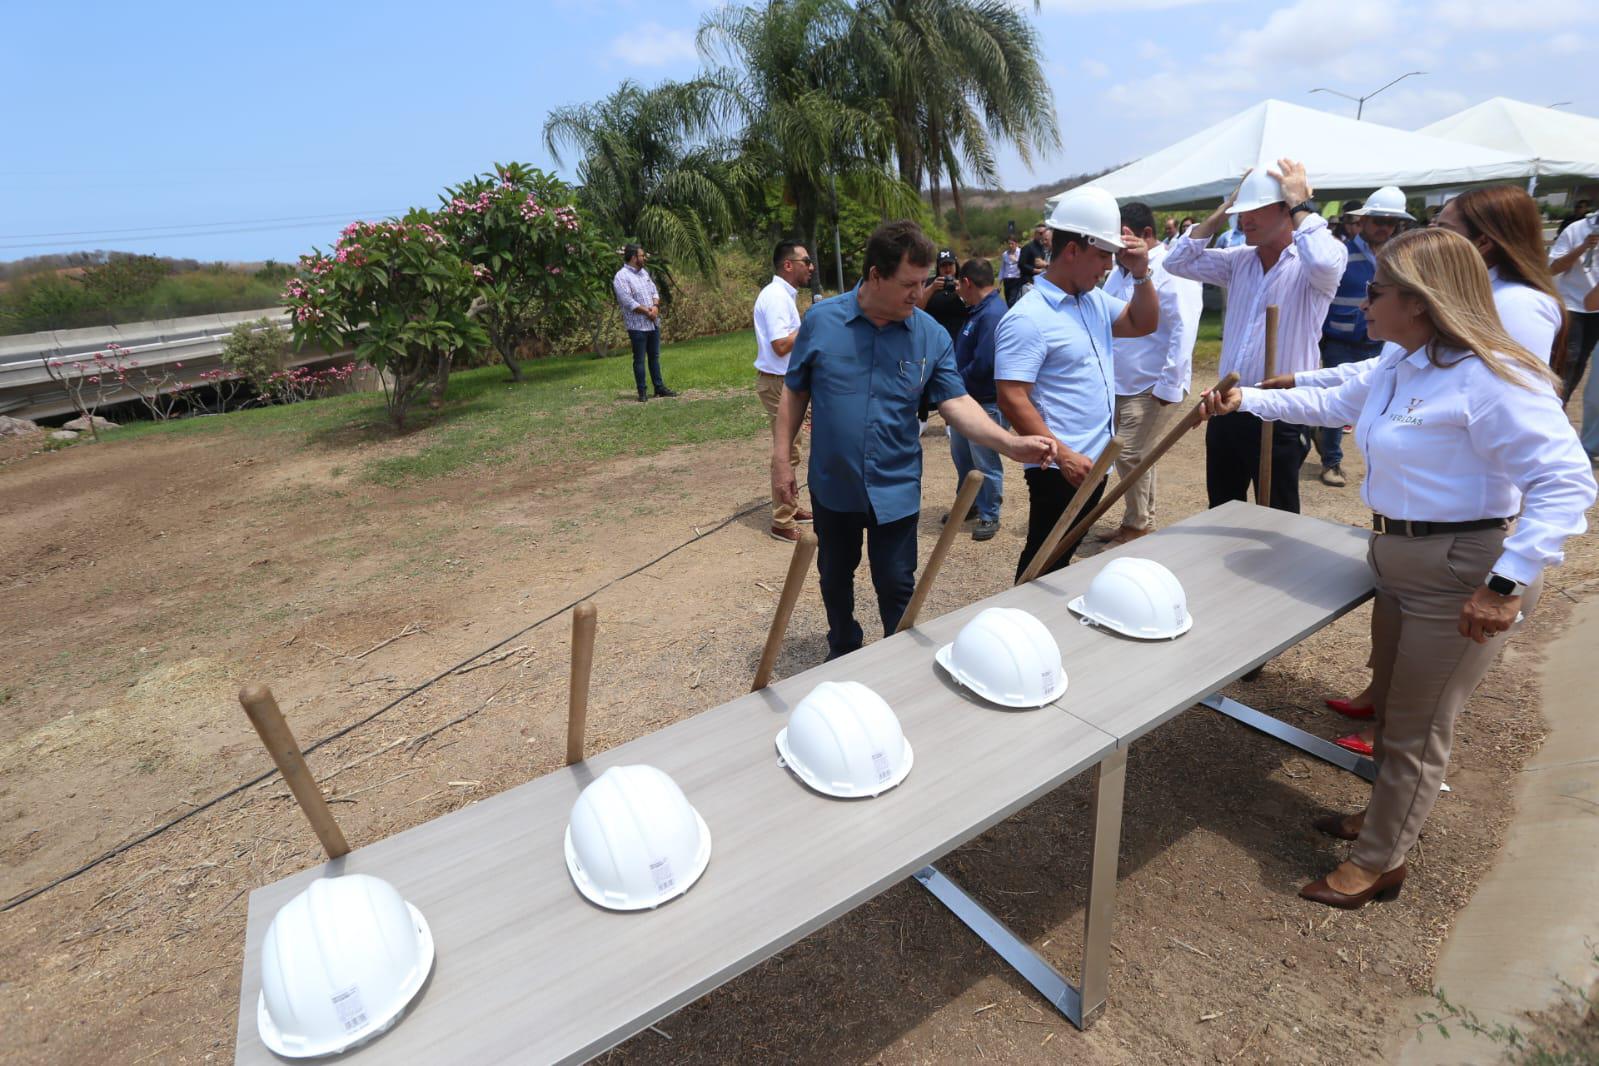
1052, 352
1152, 372
777, 323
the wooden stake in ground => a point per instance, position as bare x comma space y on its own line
577, 701
1263, 486
280, 744
1189, 421
798, 563
1079, 499
935, 562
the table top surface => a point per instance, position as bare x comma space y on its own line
527, 969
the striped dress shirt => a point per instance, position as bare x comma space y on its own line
634, 289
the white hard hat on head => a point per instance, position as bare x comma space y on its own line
1386, 202
1258, 189
634, 841
843, 740
1007, 657
1136, 598
1091, 212
339, 964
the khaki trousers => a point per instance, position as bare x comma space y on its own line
1138, 425
769, 387
1423, 671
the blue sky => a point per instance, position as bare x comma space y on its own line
280, 122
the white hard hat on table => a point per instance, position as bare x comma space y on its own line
1007, 657
634, 841
1091, 212
844, 740
339, 964
1257, 189
1136, 598
1386, 202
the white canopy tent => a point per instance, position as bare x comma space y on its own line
1556, 143
1344, 158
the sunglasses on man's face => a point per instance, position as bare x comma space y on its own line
806, 260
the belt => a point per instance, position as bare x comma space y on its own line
1407, 528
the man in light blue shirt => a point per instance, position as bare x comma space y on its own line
864, 361
1052, 354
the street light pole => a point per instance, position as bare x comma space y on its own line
1360, 101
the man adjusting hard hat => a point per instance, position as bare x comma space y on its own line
1290, 258
1052, 353
1343, 334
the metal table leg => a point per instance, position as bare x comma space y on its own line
1083, 1004
1293, 736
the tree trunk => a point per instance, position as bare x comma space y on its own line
441, 378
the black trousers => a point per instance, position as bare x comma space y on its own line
891, 554
1232, 459
1013, 290
1580, 341
1048, 493
646, 345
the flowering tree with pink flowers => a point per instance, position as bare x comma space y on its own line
397, 292
540, 268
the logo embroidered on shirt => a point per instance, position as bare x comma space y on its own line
1409, 418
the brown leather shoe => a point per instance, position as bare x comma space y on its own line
1335, 825
1382, 890
788, 533
802, 515
1127, 533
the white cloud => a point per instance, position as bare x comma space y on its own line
653, 45
1095, 69
1522, 16
1297, 36
1081, 7
1567, 44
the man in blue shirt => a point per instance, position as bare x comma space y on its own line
863, 361
1343, 334
974, 358
1052, 353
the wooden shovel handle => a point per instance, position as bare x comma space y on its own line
798, 563
935, 562
1263, 486
280, 744
1046, 550
1120, 489
577, 701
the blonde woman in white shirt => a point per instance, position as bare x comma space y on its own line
1463, 430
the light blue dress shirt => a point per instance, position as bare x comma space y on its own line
865, 383
1061, 345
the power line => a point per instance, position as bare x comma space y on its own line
331, 216
102, 239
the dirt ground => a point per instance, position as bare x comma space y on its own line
144, 582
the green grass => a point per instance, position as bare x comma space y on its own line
569, 409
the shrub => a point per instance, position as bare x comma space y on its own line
254, 350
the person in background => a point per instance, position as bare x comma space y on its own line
1035, 256
1291, 260
1574, 261
1590, 394
1010, 270
862, 362
1151, 372
640, 302
1348, 227
974, 358
1476, 481
1187, 224
939, 297
777, 323
1579, 211
1052, 354
1171, 231
1343, 333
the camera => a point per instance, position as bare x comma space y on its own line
949, 282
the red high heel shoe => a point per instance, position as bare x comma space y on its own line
1353, 743
1349, 710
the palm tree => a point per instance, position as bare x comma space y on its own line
958, 76
789, 75
652, 172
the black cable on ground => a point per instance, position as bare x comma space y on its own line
18, 900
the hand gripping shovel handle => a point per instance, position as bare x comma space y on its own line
1046, 551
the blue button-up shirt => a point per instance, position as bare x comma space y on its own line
1061, 345
634, 289
865, 382
974, 347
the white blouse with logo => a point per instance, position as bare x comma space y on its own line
1456, 443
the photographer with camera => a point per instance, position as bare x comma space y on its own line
940, 296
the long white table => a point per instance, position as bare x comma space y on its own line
528, 971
